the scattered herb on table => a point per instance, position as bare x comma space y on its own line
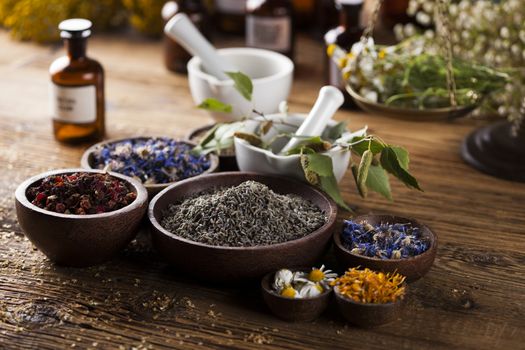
246, 215
370, 287
81, 193
302, 285
153, 161
384, 241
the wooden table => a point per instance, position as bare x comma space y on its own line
473, 297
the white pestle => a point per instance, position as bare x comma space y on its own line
328, 102
182, 29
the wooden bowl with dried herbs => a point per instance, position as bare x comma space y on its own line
386, 243
79, 217
156, 161
233, 225
298, 295
368, 298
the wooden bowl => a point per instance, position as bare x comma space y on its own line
293, 310
79, 240
221, 264
367, 315
226, 162
412, 268
87, 161
427, 114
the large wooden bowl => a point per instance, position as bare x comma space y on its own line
80, 240
216, 263
87, 161
412, 268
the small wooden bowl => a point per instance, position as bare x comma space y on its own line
87, 161
367, 315
412, 268
293, 310
79, 240
227, 264
226, 162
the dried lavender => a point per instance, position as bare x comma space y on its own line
153, 161
385, 241
246, 215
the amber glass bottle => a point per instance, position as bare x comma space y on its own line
175, 56
269, 25
345, 35
77, 87
304, 11
230, 16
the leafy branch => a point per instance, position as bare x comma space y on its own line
371, 159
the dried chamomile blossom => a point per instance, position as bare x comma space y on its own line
283, 278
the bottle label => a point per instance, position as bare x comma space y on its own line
236, 7
74, 104
272, 33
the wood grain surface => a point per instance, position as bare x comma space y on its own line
472, 298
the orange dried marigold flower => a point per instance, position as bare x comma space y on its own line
367, 286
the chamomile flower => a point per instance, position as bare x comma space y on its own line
311, 290
321, 276
283, 278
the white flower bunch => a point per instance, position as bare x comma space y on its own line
487, 32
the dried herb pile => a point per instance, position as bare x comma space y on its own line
152, 161
246, 215
81, 193
385, 240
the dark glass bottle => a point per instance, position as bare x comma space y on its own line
77, 87
230, 16
269, 25
175, 56
345, 35
326, 17
304, 11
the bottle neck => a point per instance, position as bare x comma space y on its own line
349, 16
76, 48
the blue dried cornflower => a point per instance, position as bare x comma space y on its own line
384, 241
153, 161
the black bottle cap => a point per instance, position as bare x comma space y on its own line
347, 3
75, 28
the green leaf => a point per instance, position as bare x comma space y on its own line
374, 145
215, 105
377, 181
329, 185
301, 150
315, 143
209, 135
402, 156
390, 163
320, 164
243, 84
335, 131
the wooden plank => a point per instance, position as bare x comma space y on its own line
473, 296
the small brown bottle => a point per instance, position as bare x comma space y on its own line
77, 87
269, 25
175, 56
230, 16
345, 35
